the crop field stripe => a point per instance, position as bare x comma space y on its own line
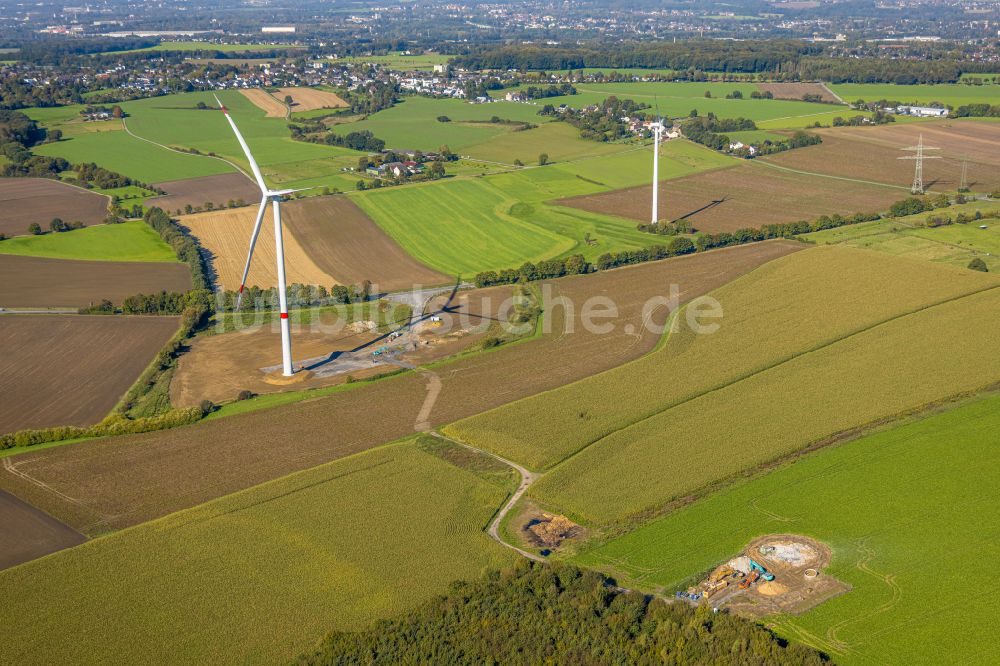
771, 434
779, 362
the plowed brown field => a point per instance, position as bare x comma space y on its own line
345, 243
35, 282
263, 100
72, 369
218, 190
871, 153
27, 200
27, 533
748, 195
122, 481
797, 90
225, 235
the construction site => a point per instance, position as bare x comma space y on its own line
779, 573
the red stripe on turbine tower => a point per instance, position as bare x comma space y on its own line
241, 288
284, 315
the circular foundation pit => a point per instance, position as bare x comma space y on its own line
810, 573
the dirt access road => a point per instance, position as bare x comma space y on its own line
126, 480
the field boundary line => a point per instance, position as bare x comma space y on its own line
827, 175
527, 478
827, 88
181, 152
760, 370
12, 467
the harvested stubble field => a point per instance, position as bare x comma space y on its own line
123, 481
27, 200
346, 244
275, 567
310, 99
747, 195
881, 147
217, 190
893, 511
797, 90
72, 369
862, 379
225, 235
37, 282
770, 304
266, 102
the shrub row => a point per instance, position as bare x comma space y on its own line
115, 424
185, 247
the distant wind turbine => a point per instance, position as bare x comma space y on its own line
274, 196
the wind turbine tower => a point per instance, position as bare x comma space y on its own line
657, 128
919, 157
274, 197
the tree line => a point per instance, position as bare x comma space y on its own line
535, 613
680, 245
784, 60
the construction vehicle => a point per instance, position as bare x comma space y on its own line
725, 571
715, 588
380, 351
749, 580
759, 568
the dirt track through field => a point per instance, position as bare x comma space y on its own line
345, 243
27, 533
225, 234
218, 190
264, 101
127, 480
72, 369
37, 282
27, 200
748, 195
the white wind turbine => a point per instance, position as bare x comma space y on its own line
658, 129
274, 196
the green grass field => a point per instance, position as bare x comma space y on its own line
117, 151
795, 303
677, 99
461, 226
412, 124
955, 244
422, 61
465, 225
909, 515
129, 241
953, 94
261, 575
560, 141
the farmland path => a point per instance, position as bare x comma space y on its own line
174, 150
527, 478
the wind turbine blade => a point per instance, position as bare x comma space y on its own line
246, 149
253, 242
